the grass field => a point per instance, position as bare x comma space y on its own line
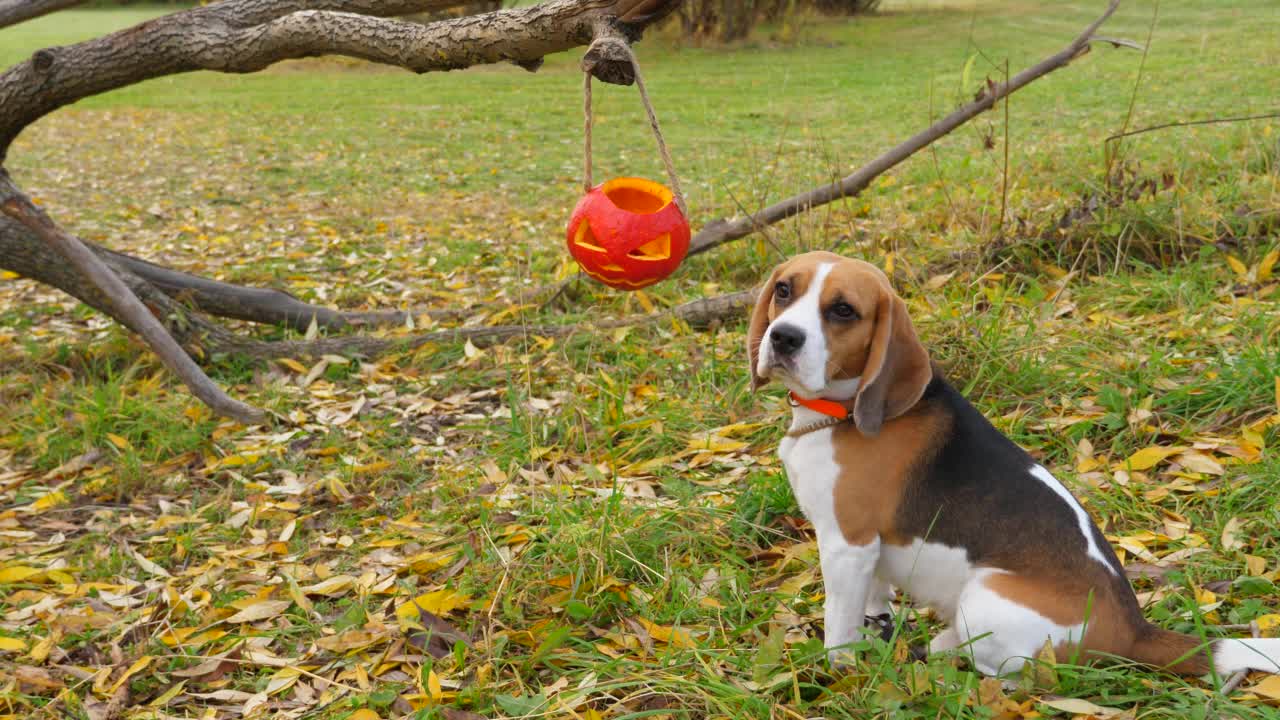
598, 527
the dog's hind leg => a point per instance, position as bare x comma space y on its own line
1001, 635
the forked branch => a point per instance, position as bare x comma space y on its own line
18, 206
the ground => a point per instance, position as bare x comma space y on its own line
597, 526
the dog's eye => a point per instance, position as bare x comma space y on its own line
782, 291
844, 311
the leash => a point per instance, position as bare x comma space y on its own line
588, 120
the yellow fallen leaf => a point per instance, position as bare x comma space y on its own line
364, 714
17, 573
1199, 462
147, 565
1267, 263
1268, 624
168, 695
336, 585
1076, 706
643, 298
260, 611
439, 602
50, 500
1268, 688
1237, 266
282, 680
1255, 565
715, 443
138, 666
1230, 535
11, 644
433, 686
40, 651
676, 637
120, 442
349, 640
371, 468
293, 365
1149, 457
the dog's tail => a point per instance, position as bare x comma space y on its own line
1188, 655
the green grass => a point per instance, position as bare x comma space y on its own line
556, 483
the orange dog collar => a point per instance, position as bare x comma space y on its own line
826, 407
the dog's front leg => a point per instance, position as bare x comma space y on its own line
847, 577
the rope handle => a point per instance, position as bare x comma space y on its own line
587, 183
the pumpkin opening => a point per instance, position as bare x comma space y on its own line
658, 248
634, 195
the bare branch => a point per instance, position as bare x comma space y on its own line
13, 12
18, 206
722, 231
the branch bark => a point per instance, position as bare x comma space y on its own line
722, 231
13, 12
218, 38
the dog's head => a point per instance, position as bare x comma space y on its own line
829, 326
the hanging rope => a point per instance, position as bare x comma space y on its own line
587, 183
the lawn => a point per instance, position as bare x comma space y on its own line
597, 526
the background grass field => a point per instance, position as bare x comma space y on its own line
598, 526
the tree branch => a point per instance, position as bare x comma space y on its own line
216, 38
136, 316
13, 12
722, 231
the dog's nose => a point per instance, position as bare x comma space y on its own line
786, 339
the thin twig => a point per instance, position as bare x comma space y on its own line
1133, 96
1004, 174
1234, 681
722, 231
1189, 123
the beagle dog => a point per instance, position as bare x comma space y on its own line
907, 485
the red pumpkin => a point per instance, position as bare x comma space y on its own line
628, 233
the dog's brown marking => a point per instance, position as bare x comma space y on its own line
1109, 630
876, 470
849, 343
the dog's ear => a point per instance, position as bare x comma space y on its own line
897, 369
759, 323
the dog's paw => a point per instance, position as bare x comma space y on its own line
881, 625
841, 658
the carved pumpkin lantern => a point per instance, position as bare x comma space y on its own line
628, 233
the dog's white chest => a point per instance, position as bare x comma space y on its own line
810, 460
